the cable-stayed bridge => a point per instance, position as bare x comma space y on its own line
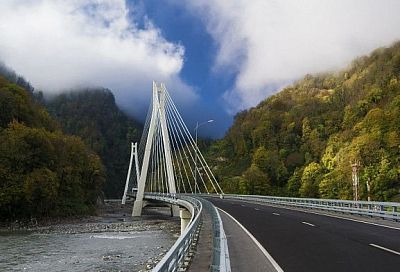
250, 233
168, 158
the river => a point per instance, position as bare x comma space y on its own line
105, 245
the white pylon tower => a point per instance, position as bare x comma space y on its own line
158, 114
134, 152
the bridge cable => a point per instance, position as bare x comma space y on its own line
191, 156
196, 147
192, 142
182, 138
175, 148
183, 150
143, 139
188, 148
176, 151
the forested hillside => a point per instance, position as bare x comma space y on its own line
13, 77
301, 141
43, 172
93, 115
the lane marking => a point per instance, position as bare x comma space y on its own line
257, 209
312, 225
274, 213
323, 214
263, 250
243, 205
386, 249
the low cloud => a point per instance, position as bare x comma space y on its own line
63, 44
267, 44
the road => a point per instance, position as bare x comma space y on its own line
300, 241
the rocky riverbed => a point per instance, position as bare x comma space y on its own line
109, 241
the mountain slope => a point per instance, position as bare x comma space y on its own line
302, 140
93, 115
42, 171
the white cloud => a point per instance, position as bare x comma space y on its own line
62, 44
269, 43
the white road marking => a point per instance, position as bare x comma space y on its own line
256, 209
263, 250
386, 249
274, 213
312, 225
243, 205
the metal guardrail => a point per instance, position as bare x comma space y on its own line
384, 210
175, 257
220, 257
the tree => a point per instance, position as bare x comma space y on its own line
310, 180
268, 162
41, 190
45, 173
256, 182
294, 183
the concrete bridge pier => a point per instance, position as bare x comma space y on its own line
138, 206
185, 218
175, 211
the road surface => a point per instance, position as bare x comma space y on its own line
301, 241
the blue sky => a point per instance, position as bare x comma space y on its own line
216, 57
180, 26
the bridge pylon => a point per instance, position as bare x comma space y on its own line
158, 119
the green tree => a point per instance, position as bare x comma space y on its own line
294, 183
310, 180
41, 190
256, 182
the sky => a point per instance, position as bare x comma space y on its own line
216, 57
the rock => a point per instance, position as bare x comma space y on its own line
107, 258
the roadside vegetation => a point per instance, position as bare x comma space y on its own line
43, 172
302, 141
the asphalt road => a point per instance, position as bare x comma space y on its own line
300, 241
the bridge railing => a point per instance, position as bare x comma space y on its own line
384, 210
220, 257
175, 257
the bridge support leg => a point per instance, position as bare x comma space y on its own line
175, 211
185, 218
137, 208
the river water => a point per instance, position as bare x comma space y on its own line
116, 251
104, 246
